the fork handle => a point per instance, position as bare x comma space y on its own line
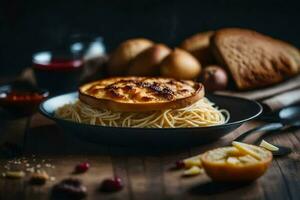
263, 128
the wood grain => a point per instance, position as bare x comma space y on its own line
146, 175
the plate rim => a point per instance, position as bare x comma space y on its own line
56, 119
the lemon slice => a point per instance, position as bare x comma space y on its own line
268, 146
236, 163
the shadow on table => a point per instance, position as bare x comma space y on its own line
51, 139
211, 188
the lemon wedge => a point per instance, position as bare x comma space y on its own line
193, 161
247, 149
193, 171
268, 146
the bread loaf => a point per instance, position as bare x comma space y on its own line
253, 59
119, 60
147, 62
198, 46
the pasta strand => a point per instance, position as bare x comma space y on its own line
200, 114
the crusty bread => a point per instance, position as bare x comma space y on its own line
198, 46
147, 62
120, 58
253, 59
180, 64
140, 94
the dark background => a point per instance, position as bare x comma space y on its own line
27, 26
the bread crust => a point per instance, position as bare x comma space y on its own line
180, 64
121, 57
198, 46
147, 62
149, 94
253, 59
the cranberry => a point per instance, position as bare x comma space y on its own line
179, 164
82, 167
112, 185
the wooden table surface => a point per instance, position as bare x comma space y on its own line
147, 174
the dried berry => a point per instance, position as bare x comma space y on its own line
112, 185
39, 178
69, 189
82, 167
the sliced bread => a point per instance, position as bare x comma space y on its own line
254, 60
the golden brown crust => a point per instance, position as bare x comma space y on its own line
199, 46
147, 62
180, 64
253, 59
140, 94
125, 52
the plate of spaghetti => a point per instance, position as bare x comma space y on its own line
148, 111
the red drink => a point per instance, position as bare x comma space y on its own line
57, 74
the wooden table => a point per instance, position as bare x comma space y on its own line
146, 174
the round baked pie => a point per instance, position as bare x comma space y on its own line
129, 94
143, 102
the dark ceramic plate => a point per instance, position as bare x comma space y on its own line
241, 110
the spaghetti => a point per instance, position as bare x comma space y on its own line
200, 114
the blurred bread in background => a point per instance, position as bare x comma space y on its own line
199, 46
254, 60
147, 62
231, 58
124, 53
180, 64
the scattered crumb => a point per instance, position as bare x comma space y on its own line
16, 168
48, 165
31, 169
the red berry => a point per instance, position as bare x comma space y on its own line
82, 167
179, 164
112, 185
